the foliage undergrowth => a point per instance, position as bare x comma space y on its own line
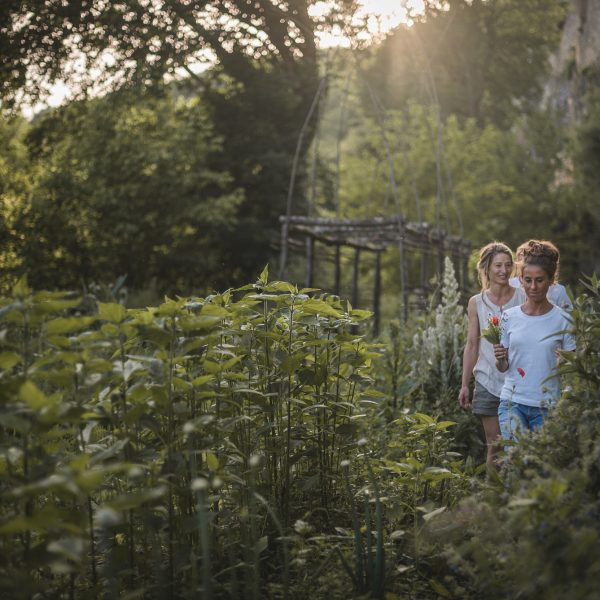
422, 367
214, 447
244, 445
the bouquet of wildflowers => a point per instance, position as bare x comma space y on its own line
492, 332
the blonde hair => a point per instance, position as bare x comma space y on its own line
540, 253
486, 256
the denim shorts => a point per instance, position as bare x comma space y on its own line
517, 418
485, 404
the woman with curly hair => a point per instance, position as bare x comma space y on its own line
494, 269
557, 293
531, 336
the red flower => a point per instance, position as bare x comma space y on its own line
520, 372
495, 321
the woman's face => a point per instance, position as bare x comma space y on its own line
500, 268
535, 282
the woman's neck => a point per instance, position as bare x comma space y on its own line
536, 309
500, 293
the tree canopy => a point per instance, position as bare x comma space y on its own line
84, 41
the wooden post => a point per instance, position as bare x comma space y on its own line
355, 277
338, 271
424, 269
310, 253
283, 253
376, 292
403, 278
464, 279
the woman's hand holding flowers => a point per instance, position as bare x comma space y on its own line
501, 354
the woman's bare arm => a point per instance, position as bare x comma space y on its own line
470, 353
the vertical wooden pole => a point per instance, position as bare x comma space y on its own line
310, 254
338, 271
283, 253
355, 277
424, 264
403, 277
464, 279
376, 293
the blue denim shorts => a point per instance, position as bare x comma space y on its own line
517, 418
485, 404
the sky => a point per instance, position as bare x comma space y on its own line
381, 15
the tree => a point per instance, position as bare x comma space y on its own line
484, 59
15, 188
265, 78
124, 185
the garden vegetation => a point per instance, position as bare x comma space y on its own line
255, 444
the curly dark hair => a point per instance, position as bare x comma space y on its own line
541, 253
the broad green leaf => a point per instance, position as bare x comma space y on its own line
33, 396
198, 322
212, 310
314, 306
63, 325
269, 297
281, 286
8, 360
53, 306
112, 312
423, 418
361, 315
212, 461
263, 278
60, 341
202, 379
181, 384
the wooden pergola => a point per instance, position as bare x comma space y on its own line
375, 235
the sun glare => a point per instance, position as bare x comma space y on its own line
380, 17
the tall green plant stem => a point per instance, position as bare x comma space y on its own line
127, 454
288, 449
171, 508
27, 360
202, 518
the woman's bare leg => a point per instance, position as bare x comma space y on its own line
491, 428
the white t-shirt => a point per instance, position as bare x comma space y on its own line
532, 342
557, 293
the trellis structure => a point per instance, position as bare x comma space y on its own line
375, 235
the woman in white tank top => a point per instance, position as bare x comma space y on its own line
494, 269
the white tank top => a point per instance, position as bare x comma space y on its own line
485, 371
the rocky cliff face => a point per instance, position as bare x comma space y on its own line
576, 64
